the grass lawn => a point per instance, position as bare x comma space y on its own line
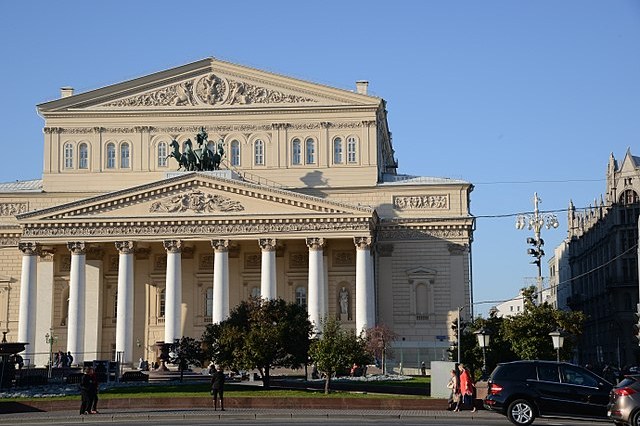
188, 389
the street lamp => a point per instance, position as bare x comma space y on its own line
535, 222
50, 338
484, 337
557, 337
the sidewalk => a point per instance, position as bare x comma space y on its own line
110, 415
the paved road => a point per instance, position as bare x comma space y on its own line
252, 417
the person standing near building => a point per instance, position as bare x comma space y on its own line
466, 389
94, 393
454, 396
87, 387
217, 388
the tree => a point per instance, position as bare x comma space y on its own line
186, 351
379, 339
261, 334
528, 332
337, 350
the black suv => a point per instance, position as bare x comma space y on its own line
524, 390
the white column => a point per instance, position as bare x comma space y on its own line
28, 294
124, 320
268, 282
173, 292
220, 281
75, 323
365, 304
315, 301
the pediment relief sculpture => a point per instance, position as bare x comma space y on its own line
196, 201
210, 89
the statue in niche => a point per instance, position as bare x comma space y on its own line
344, 303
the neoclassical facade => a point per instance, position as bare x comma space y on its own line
115, 249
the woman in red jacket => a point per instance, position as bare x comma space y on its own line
466, 388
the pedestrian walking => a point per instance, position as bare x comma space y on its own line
217, 388
86, 391
423, 368
69, 359
94, 393
466, 389
454, 395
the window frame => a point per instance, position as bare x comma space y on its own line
83, 156
68, 155
110, 156
296, 152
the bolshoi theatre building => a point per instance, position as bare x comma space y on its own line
135, 235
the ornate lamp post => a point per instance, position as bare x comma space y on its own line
535, 222
50, 338
484, 337
557, 337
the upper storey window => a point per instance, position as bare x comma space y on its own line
296, 151
310, 145
259, 152
352, 146
124, 156
68, 156
162, 154
111, 155
83, 156
337, 150
235, 153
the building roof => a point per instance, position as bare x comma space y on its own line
389, 179
34, 185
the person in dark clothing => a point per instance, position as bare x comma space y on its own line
87, 388
94, 394
217, 388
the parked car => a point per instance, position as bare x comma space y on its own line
624, 402
524, 390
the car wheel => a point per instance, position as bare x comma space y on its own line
635, 420
521, 412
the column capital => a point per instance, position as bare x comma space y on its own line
124, 247
172, 246
29, 249
363, 243
267, 244
220, 245
77, 247
316, 243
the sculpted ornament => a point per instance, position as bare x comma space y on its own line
196, 201
211, 89
422, 202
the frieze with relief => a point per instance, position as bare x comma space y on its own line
162, 230
213, 90
421, 202
12, 209
196, 201
419, 234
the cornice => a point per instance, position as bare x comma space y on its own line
188, 230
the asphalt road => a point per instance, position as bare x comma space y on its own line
253, 417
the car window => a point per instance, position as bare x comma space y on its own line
548, 373
515, 371
578, 376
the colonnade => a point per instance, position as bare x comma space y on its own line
317, 301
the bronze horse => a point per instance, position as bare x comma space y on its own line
201, 159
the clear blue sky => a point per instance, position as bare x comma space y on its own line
512, 96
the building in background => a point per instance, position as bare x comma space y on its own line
115, 252
602, 257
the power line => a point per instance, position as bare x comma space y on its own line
524, 182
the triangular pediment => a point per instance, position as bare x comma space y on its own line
209, 83
197, 197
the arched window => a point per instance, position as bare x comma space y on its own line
124, 156
311, 151
235, 153
209, 306
296, 151
68, 156
83, 156
259, 152
351, 149
337, 151
629, 196
111, 155
162, 154
301, 296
